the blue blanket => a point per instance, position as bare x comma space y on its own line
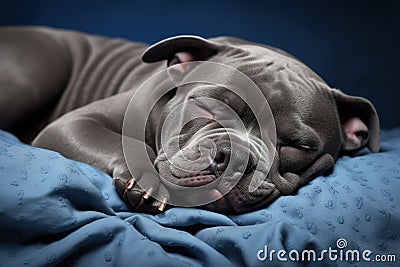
55, 211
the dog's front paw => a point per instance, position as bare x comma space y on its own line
140, 196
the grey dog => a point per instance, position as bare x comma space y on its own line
68, 91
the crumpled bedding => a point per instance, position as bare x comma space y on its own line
58, 212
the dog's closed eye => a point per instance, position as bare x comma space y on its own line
171, 93
293, 150
294, 157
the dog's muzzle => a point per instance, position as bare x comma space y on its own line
225, 160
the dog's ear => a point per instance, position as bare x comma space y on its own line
360, 122
181, 49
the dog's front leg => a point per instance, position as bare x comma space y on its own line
92, 134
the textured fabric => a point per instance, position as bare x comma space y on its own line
57, 211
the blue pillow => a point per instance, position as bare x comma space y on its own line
57, 211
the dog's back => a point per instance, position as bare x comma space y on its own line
52, 72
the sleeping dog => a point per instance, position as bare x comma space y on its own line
69, 92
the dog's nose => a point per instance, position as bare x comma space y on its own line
240, 159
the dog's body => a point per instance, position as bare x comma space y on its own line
69, 91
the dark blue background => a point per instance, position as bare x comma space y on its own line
353, 45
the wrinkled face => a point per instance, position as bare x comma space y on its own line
222, 137
216, 136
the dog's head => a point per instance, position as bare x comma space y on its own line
314, 123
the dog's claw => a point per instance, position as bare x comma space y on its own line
148, 192
130, 184
161, 207
138, 192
